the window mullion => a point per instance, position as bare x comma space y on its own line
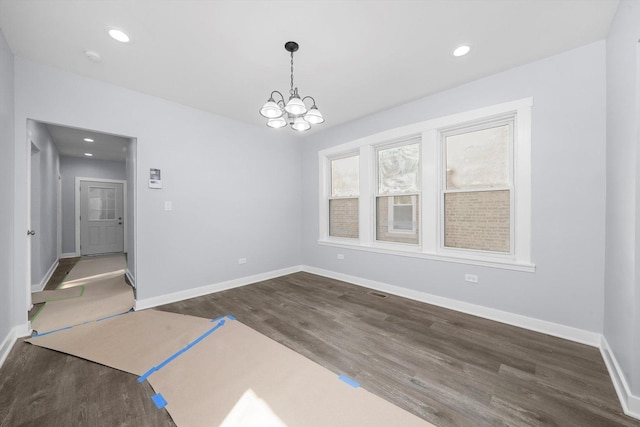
365, 206
429, 203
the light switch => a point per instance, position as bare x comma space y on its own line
168, 206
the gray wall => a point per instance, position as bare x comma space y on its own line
7, 287
70, 168
622, 277
568, 195
45, 210
235, 188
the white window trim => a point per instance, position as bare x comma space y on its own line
431, 166
325, 188
508, 119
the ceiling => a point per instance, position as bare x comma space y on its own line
356, 57
70, 142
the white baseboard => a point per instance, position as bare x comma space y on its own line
549, 328
69, 255
209, 289
630, 403
38, 287
11, 338
130, 277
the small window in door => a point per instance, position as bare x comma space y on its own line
102, 204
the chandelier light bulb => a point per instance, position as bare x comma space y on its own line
271, 110
301, 124
295, 106
314, 116
277, 123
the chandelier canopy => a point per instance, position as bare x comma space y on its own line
294, 112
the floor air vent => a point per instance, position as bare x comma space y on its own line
377, 294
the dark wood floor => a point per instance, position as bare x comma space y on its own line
449, 368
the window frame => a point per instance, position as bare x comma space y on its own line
329, 190
415, 139
431, 198
507, 119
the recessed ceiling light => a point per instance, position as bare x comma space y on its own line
461, 50
88, 139
88, 154
119, 35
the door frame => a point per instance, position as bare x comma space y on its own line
124, 207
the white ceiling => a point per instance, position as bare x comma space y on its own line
356, 57
70, 142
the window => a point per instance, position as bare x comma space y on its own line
398, 170
477, 187
455, 188
102, 203
343, 203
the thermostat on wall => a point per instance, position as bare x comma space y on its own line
154, 178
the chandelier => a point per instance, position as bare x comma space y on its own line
294, 112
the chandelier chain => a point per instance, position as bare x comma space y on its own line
291, 90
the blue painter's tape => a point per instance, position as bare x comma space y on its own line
217, 319
159, 400
180, 352
146, 374
51, 332
109, 317
349, 381
230, 317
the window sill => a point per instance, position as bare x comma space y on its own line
411, 252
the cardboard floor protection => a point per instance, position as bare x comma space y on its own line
100, 299
93, 268
58, 294
225, 373
132, 342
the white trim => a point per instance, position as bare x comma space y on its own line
215, 287
630, 403
537, 325
79, 179
408, 250
39, 287
11, 338
59, 212
131, 278
69, 255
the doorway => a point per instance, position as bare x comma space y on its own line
57, 156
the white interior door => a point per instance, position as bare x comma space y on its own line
101, 217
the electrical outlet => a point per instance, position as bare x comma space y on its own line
340, 256
242, 261
471, 278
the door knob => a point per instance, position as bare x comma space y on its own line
31, 232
